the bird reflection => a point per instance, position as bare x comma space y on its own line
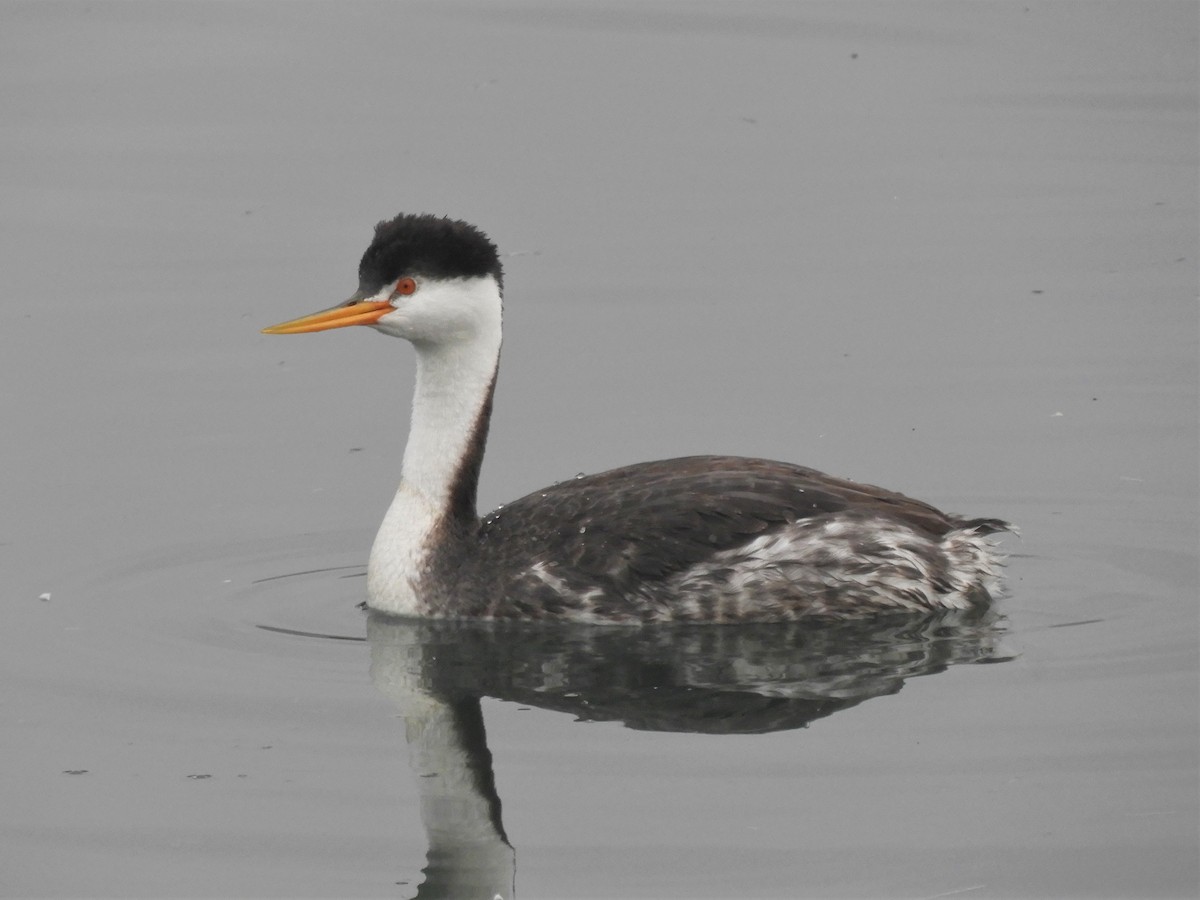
749, 679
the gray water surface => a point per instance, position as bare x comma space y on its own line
946, 248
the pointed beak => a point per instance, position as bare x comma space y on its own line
355, 311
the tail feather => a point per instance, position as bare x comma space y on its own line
988, 526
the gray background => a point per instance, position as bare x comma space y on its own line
948, 248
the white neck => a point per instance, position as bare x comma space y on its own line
456, 333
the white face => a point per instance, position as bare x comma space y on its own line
441, 311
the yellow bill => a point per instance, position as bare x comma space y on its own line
353, 312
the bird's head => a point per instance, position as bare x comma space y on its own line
426, 279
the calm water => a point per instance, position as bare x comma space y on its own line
947, 248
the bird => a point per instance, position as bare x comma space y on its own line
698, 539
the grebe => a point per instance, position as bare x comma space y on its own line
697, 539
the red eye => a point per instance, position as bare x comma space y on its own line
405, 286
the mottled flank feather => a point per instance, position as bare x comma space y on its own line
715, 539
